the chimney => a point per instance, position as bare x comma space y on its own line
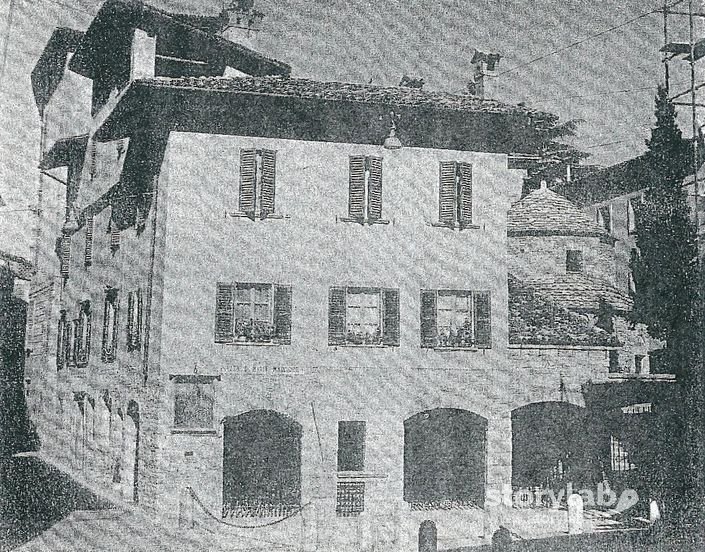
242, 21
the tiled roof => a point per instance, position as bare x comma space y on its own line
580, 292
21, 268
535, 319
545, 213
349, 92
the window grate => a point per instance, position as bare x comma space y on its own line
351, 498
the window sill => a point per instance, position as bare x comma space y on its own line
364, 345
363, 221
252, 343
450, 349
255, 216
175, 431
360, 475
454, 226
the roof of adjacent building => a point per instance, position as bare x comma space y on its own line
63, 151
546, 213
180, 36
304, 109
535, 318
581, 292
20, 267
50, 67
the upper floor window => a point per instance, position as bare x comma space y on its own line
110, 325
72, 342
351, 446
253, 313
194, 400
573, 260
455, 319
257, 182
64, 244
603, 217
455, 194
134, 320
83, 338
61, 339
363, 316
88, 253
365, 189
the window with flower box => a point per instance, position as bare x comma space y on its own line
363, 316
253, 313
455, 319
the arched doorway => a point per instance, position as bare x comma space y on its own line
261, 464
131, 440
445, 453
550, 446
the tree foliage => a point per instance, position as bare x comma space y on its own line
666, 267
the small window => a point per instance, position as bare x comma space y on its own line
620, 461
455, 319
110, 325
134, 320
351, 446
253, 313
350, 500
455, 194
71, 342
614, 367
257, 182
65, 255
603, 217
193, 404
363, 316
365, 189
574, 261
83, 337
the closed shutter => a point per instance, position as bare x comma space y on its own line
446, 199
84, 340
356, 191
88, 260
390, 300
114, 236
130, 320
483, 325
65, 256
61, 342
248, 176
429, 330
336, 316
465, 194
269, 169
224, 313
374, 193
138, 328
282, 314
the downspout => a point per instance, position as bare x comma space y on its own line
150, 277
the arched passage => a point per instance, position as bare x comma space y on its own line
445, 458
549, 445
261, 464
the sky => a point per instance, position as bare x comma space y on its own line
608, 82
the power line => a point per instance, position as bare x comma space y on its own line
590, 37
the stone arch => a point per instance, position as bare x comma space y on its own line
550, 445
261, 464
445, 458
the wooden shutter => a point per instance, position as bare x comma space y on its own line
224, 313
138, 329
483, 324
356, 190
84, 327
267, 185
114, 235
390, 299
465, 194
88, 260
130, 318
374, 192
248, 176
446, 198
429, 330
65, 256
336, 315
61, 341
282, 314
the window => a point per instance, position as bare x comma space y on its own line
614, 367
257, 182
71, 342
88, 255
110, 325
194, 399
351, 446
455, 319
631, 216
61, 336
619, 456
603, 217
114, 232
574, 260
64, 255
134, 320
363, 316
638, 364
365, 189
455, 194
253, 313
83, 337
